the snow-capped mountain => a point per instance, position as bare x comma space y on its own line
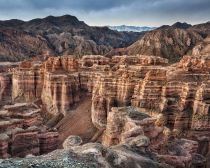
131, 28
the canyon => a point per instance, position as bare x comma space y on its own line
96, 111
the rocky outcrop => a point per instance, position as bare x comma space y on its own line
24, 143
125, 123
182, 153
176, 95
60, 91
6, 69
132, 128
27, 82
22, 132
21, 114
48, 141
141, 81
89, 155
18, 142
58, 158
175, 92
4, 146
203, 48
169, 43
72, 141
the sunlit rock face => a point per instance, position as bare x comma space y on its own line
5, 88
49, 82
60, 91
6, 81
27, 82
192, 74
61, 84
125, 123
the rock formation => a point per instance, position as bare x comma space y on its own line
60, 89
127, 126
22, 131
66, 35
119, 86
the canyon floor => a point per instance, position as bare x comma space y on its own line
78, 122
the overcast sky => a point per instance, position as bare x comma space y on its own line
111, 12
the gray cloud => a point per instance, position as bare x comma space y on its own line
104, 12
86, 5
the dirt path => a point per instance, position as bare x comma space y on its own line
78, 122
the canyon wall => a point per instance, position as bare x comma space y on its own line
178, 94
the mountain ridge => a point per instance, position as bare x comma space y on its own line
63, 35
171, 42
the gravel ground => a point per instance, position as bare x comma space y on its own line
55, 160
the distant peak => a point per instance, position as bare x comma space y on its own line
180, 25
65, 20
64, 17
68, 17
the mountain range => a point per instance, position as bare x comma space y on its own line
66, 35
58, 36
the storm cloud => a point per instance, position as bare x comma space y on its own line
111, 12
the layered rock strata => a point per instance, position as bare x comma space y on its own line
141, 81
177, 94
118, 88
22, 142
